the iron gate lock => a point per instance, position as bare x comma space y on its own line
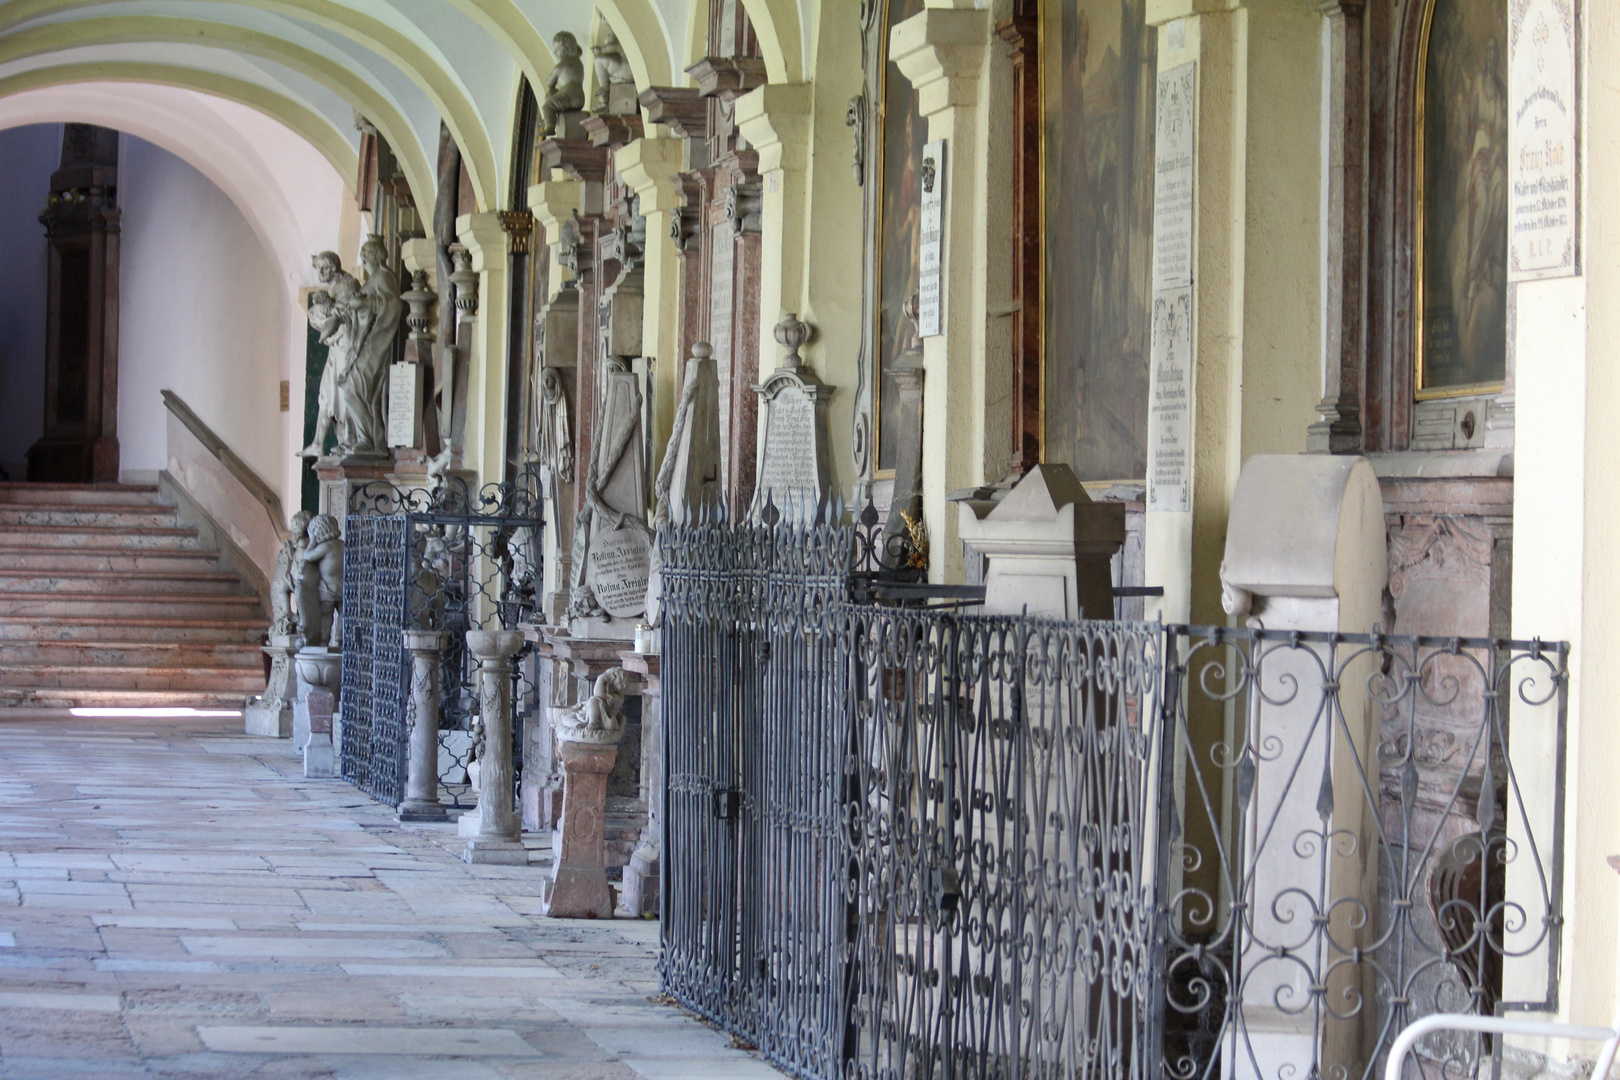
727, 803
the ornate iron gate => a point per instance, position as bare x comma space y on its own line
452, 558
907, 844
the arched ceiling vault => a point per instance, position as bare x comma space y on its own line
404, 64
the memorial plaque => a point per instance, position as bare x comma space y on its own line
722, 265
930, 264
1542, 139
620, 563
1173, 178
404, 403
1170, 412
787, 468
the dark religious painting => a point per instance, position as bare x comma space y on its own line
1099, 65
904, 133
1462, 205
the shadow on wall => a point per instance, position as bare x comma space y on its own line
28, 156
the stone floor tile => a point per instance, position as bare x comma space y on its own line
184, 904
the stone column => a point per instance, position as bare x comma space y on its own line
486, 239
775, 119
492, 828
577, 888
422, 782
942, 51
320, 672
642, 874
271, 713
650, 167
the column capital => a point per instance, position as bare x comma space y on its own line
650, 167
486, 237
941, 51
775, 119
553, 202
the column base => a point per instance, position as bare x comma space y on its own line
320, 762
269, 719
496, 850
421, 810
577, 892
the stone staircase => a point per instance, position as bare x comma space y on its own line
107, 600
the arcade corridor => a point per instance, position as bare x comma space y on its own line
177, 900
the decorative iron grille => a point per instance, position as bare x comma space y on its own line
451, 558
909, 843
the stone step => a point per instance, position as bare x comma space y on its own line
91, 536
241, 655
18, 697
69, 515
102, 628
122, 560
130, 604
119, 582
81, 494
111, 677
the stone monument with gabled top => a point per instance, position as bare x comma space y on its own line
795, 468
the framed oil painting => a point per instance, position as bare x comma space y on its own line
1098, 71
1462, 204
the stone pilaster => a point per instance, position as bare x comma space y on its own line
487, 239
775, 119
651, 168
942, 51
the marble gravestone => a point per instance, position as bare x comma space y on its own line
795, 469
612, 543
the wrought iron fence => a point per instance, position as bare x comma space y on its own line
452, 558
910, 843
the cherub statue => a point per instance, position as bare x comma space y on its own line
600, 718
288, 573
565, 90
320, 587
612, 69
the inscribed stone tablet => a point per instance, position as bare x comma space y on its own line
1170, 411
404, 399
620, 563
932, 240
789, 465
1173, 178
1542, 140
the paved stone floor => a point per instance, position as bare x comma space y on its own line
176, 900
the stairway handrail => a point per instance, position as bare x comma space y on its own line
241, 470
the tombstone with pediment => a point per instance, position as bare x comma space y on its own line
795, 468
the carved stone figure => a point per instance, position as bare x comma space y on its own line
600, 718
565, 90
612, 69
556, 434
287, 575
320, 587
362, 383
330, 313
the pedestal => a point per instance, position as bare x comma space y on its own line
271, 713
319, 678
492, 827
422, 780
339, 477
578, 888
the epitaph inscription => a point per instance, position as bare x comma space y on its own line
1542, 139
722, 289
404, 399
930, 262
620, 563
1170, 373
1170, 412
788, 467
1173, 178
